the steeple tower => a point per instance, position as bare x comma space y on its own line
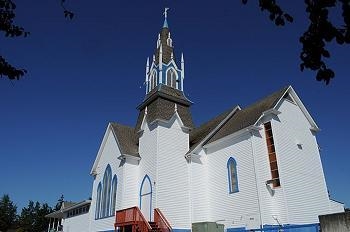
164, 84
164, 69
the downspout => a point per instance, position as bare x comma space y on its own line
190, 190
256, 179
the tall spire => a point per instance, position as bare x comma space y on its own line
165, 24
163, 69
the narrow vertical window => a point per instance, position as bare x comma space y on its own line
98, 201
171, 78
272, 155
106, 192
232, 175
114, 195
154, 79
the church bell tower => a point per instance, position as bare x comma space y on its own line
163, 68
164, 81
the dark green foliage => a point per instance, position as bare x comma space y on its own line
32, 218
8, 213
320, 32
59, 203
7, 26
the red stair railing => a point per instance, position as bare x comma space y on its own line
161, 221
131, 217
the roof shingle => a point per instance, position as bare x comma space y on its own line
127, 138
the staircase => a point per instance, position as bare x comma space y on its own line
132, 220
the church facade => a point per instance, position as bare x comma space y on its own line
248, 168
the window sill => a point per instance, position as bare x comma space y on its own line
104, 217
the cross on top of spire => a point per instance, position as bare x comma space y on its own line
165, 25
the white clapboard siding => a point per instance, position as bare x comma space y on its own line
109, 156
172, 181
233, 209
301, 173
199, 188
272, 204
130, 189
77, 223
148, 152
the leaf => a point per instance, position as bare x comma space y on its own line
288, 18
325, 53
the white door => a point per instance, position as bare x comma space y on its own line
146, 198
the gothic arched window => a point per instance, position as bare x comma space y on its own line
153, 79
232, 175
114, 195
171, 77
98, 201
106, 192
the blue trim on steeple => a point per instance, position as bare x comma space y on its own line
165, 24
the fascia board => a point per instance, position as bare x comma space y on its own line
206, 138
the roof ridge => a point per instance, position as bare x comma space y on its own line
249, 115
268, 96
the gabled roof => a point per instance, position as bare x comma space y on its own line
127, 139
248, 116
200, 135
66, 206
244, 118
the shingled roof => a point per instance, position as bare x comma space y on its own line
166, 49
198, 134
127, 139
160, 104
239, 120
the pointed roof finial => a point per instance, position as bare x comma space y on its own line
165, 25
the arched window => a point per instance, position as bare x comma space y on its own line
232, 175
171, 77
146, 197
153, 79
106, 192
114, 195
98, 201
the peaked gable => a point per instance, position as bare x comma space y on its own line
228, 122
248, 116
200, 135
126, 139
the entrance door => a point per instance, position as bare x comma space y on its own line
146, 198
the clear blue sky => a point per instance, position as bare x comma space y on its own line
87, 72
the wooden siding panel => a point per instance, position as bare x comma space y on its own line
77, 223
301, 173
272, 203
173, 175
148, 150
238, 209
110, 154
199, 189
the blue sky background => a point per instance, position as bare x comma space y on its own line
87, 72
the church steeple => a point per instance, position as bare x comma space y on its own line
164, 69
164, 84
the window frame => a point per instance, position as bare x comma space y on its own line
232, 167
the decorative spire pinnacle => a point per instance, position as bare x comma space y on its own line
165, 25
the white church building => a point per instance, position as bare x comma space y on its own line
248, 169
